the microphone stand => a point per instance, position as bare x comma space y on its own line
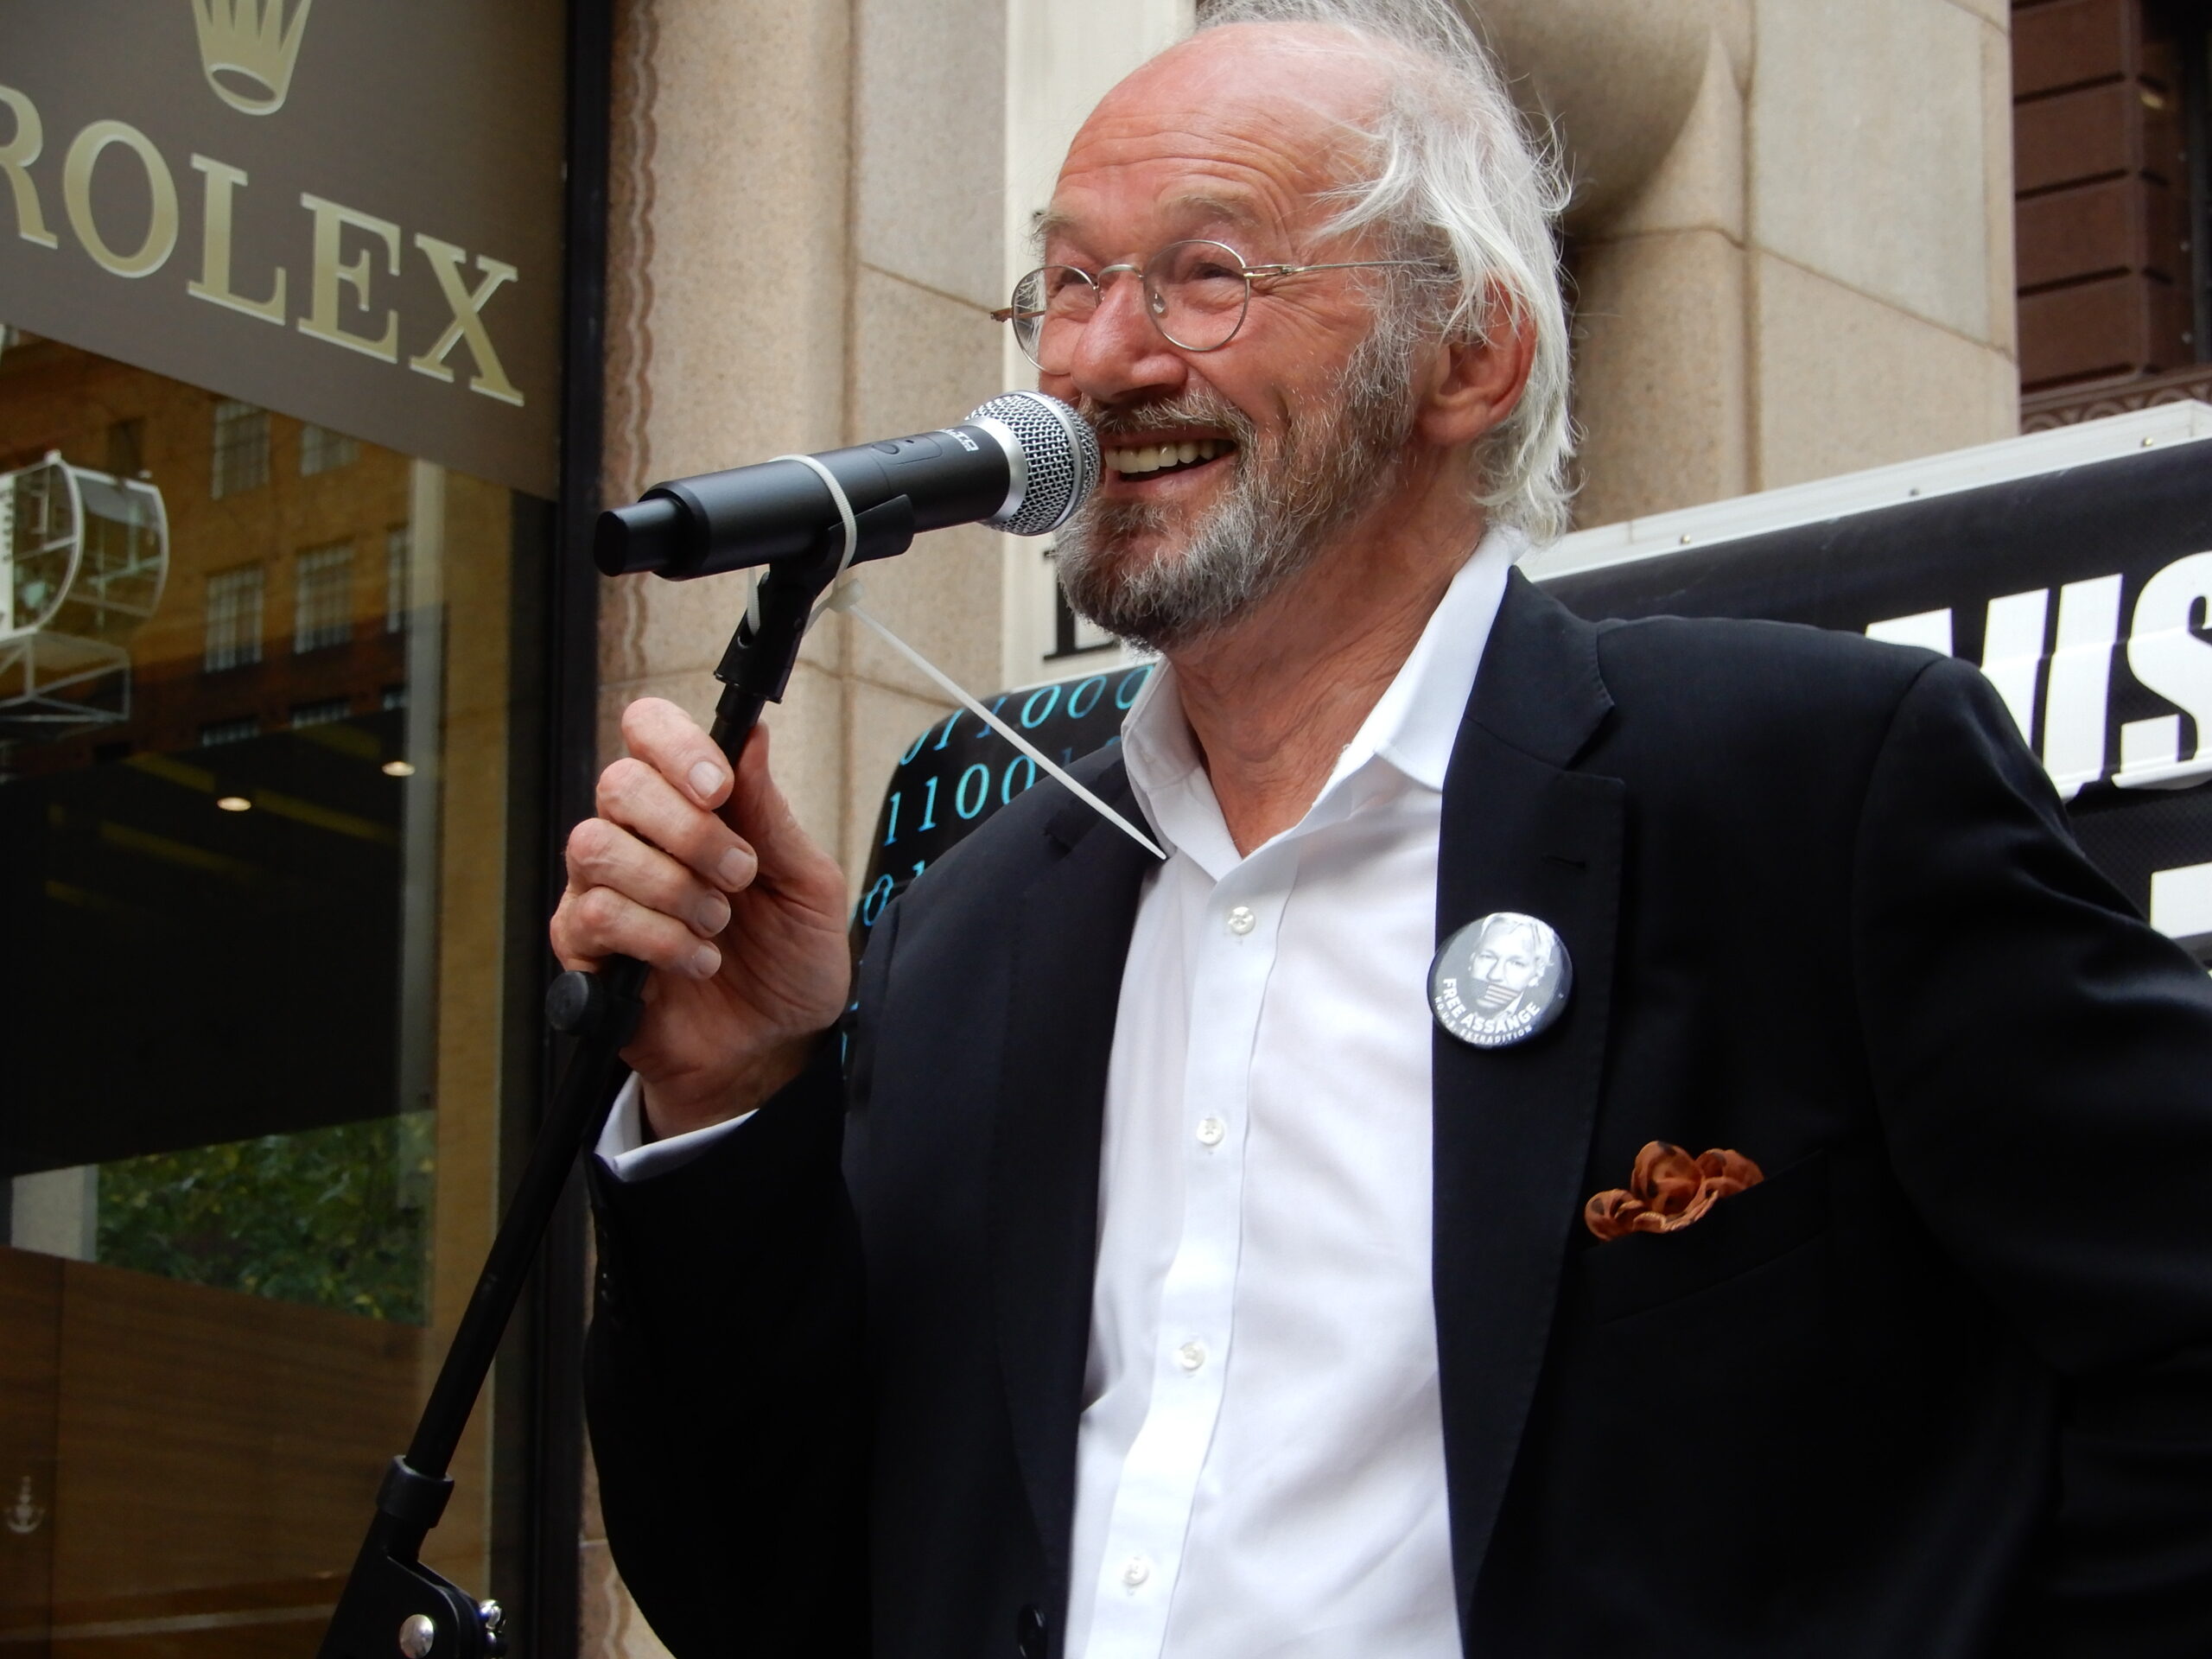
392, 1604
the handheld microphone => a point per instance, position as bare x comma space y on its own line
1023, 462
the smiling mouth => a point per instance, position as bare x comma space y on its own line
1149, 460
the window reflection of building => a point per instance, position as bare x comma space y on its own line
394, 579
322, 450
272, 1180
277, 595
323, 596
328, 712
217, 733
241, 448
234, 609
126, 449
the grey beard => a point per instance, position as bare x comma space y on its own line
1284, 503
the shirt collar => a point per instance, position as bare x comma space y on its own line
1412, 726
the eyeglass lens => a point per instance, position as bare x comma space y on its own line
1196, 293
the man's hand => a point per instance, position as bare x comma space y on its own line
712, 881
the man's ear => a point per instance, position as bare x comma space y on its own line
1474, 385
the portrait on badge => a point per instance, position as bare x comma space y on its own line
1500, 980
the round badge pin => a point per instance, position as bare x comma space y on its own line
1500, 980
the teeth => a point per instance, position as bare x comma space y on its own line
1130, 460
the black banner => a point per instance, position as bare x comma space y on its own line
2083, 595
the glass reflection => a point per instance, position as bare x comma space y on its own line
254, 816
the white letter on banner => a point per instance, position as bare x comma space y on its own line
2011, 647
2012, 653
2166, 654
2181, 902
1929, 630
2080, 684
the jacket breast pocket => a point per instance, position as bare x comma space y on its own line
1642, 1271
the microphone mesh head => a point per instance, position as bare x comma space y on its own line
1060, 452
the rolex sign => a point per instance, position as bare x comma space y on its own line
348, 210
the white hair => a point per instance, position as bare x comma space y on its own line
1542, 943
1456, 180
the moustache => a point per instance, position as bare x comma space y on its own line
1200, 412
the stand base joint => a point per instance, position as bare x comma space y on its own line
411, 1497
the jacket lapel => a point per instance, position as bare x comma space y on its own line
1072, 936
1512, 1125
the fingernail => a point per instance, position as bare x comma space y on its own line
714, 913
706, 961
735, 869
706, 778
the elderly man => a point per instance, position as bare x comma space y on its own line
1158, 1271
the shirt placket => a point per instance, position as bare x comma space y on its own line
1234, 955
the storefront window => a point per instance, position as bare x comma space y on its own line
283, 305
258, 823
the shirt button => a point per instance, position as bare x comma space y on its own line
1210, 1129
1242, 921
1136, 1572
1191, 1355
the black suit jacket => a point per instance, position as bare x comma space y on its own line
1941, 1386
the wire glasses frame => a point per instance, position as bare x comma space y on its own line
1196, 292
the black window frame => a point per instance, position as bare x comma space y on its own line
538, 1447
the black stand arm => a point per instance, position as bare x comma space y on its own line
393, 1605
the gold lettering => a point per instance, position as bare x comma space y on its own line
84, 152
16, 158
215, 284
489, 378
331, 222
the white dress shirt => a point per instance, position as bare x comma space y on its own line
1260, 1469
1260, 1466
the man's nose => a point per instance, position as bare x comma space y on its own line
1119, 352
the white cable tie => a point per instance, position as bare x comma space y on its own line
847, 598
852, 541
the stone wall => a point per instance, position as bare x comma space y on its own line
806, 244
1794, 253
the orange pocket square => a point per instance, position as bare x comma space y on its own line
1668, 1190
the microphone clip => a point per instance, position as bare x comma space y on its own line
757, 666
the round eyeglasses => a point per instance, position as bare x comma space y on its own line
1196, 293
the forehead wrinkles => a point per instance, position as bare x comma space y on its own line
1268, 168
